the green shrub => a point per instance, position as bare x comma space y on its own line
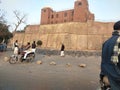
39, 42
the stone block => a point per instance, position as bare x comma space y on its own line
52, 63
99, 28
73, 41
95, 42
6, 59
82, 42
52, 39
44, 39
39, 62
78, 28
82, 65
68, 65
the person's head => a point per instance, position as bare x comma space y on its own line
33, 41
28, 43
16, 41
116, 26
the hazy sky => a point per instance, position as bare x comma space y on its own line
104, 10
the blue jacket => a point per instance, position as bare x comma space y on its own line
107, 67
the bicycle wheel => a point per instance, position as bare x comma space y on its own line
13, 60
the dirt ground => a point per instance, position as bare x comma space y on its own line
31, 76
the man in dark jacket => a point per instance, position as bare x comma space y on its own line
110, 65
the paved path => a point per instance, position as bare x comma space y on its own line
30, 76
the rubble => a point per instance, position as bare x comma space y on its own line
52, 63
68, 64
6, 59
39, 62
82, 65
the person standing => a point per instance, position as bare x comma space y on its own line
16, 47
110, 64
62, 50
33, 46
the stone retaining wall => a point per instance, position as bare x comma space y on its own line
75, 35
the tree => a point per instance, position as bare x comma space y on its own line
4, 32
20, 19
4, 28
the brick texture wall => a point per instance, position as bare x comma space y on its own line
80, 13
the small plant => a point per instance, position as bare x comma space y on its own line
39, 42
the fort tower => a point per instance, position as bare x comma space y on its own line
80, 13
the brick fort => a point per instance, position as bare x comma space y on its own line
76, 28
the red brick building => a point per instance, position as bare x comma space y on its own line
80, 13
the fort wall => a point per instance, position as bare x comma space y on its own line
75, 35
